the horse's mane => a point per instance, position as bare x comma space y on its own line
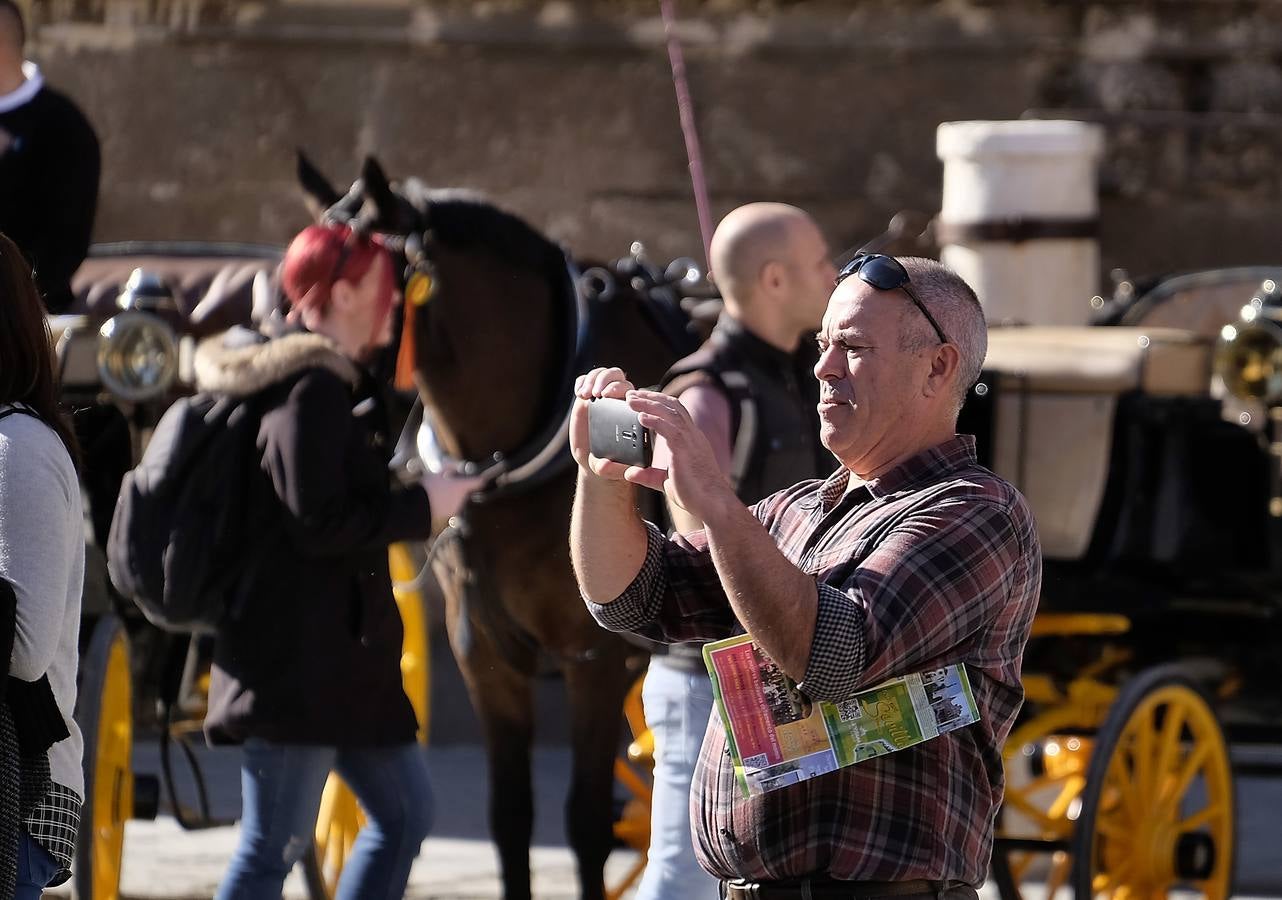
462, 218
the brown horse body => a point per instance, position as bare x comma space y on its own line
493, 346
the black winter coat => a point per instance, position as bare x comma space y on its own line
311, 653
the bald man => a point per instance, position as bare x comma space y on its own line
751, 391
49, 168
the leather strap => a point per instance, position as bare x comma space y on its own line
827, 889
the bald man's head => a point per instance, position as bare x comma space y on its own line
773, 267
13, 31
747, 240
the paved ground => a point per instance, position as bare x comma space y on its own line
162, 862
165, 863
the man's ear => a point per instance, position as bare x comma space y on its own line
773, 277
945, 368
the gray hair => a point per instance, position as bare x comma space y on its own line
954, 305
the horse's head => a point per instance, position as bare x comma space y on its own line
489, 305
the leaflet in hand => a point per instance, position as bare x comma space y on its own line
779, 737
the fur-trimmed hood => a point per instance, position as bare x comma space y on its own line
241, 362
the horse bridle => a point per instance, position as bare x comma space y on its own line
536, 460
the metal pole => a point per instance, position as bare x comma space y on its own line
685, 109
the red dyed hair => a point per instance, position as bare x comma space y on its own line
320, 257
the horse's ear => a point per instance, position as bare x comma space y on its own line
378, 190
318, 193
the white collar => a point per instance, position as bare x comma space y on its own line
26, 91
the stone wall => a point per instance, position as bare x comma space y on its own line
565, 113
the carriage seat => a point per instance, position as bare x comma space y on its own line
1047, 408
215, 291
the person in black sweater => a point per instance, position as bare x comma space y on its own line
49, 168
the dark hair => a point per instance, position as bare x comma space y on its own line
11, 9
26, 347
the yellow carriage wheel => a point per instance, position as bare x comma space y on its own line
1045, 759
632, 828
1158, 810
105, 717
340, 818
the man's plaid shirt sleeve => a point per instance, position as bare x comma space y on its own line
930, 586
675, 597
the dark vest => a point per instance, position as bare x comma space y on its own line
774, 426
772, 394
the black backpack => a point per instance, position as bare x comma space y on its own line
178, 543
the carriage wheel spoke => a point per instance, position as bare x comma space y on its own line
1170, 742
1061, 866
1055, 826
1119, 878
1019, 866
1143, 754
1204, 817
1116, 832
1192, 764
1071, 791
1127, 780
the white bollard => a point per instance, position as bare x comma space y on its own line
1020, 216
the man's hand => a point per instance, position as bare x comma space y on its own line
603, 382
694, 480
607, 539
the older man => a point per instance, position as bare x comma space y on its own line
748, 389
909, 557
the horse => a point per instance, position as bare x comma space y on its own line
497, 327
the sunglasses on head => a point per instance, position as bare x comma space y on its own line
885, 273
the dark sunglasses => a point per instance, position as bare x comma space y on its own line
885, 273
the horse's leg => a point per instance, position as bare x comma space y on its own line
596, 689
503, 698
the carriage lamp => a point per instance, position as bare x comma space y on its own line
137, 355
1248, 355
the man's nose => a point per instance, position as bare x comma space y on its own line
824, 367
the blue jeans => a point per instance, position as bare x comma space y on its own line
36, 868
677, 705
281, 787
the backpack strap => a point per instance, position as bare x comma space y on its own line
19, 408
737, 388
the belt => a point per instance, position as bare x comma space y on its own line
830, 889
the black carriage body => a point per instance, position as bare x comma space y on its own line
1176, 534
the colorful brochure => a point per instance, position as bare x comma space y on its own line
778, 736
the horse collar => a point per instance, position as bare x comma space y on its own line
547, 452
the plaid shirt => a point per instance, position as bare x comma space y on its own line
54, 823
935, 562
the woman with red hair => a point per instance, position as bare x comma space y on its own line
306, 671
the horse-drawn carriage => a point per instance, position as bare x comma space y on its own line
1157, 500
